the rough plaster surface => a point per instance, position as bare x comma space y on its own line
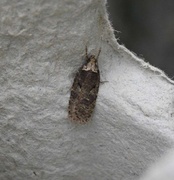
162, 170
41, 47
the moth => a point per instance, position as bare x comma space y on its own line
84, 90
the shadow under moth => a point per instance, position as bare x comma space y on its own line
84, 90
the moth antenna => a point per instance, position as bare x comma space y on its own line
98, 53
86, 53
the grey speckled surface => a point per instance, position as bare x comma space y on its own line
41, 47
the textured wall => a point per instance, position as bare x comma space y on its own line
42, 44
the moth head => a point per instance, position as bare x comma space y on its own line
93, 59
91, 64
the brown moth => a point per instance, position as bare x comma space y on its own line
84, 90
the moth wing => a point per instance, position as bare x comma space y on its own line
75, 91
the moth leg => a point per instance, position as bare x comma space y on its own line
102, 82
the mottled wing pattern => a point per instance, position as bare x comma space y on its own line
83, 95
